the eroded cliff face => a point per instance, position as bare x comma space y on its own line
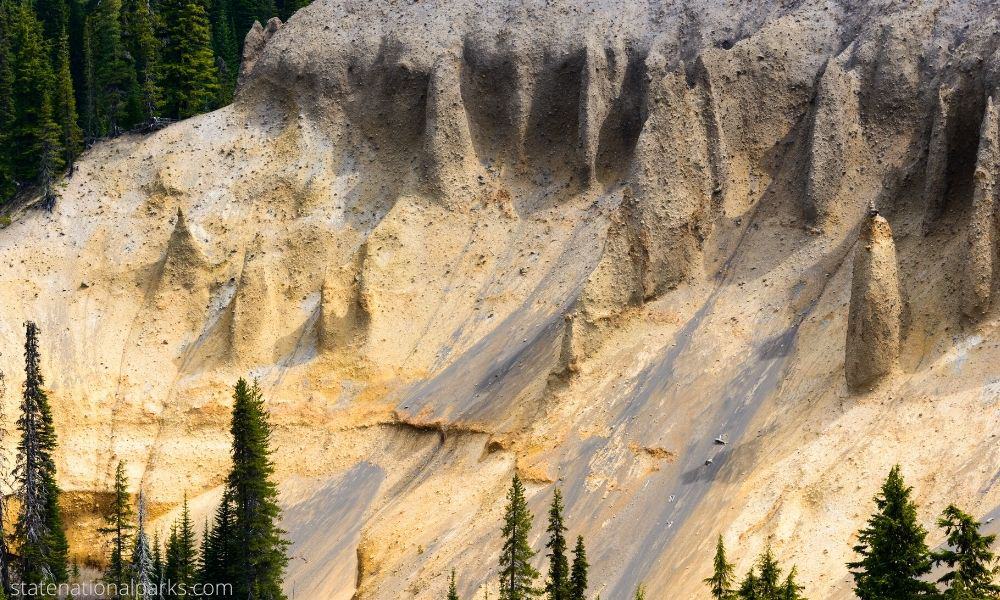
573, 240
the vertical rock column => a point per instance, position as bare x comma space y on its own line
982, 226
873, 326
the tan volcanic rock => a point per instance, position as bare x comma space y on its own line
983, 220
874, 322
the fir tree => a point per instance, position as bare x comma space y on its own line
517, 576
114, 86
578, 573
181, 564
142, 567
118, 526
894, 554
452, 589
190, 80
33, 137
8, 181
139, 30
769, 576
640, 592
750, 587
159, 568
220, 553
39, 534
557, 585
259, 566
71, 137
721, 581
973, 566
791, 590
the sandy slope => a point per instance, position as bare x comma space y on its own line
578, 240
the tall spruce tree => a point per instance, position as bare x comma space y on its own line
35, 152
118, 528
259, 566
517, 576
721, 581
557, 584
39, 535
791, 590
452, 588
769, 576
8, 182
159, 568
139, 32
893, 550
578, 573
190, 79
71, 136
220, 552
116, 101
181, 563
142, 567
972, 564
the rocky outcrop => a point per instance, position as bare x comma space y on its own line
343, 314
982, 232
832, 136
936, 169
253, 47
183, 262
875, 320
451, 166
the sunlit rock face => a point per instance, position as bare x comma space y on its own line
573, 240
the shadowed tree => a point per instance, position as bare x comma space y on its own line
973, 565
118, 526
557, 585
578, 573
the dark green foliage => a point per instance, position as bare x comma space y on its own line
181, 562
791, 590
721, 581
139, 32
190, 79
219, 550
38, 537
762, 582
517, 576
159, 568
640, 592
259, 566
894, 553
118, 527
557, 584
71, 136
578, 573
452, 589
973, 566
115, 89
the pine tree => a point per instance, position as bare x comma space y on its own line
225, 47
190, 79
750, 587
220, 552
517, 576
640, 592
33, 136
894, 553
139, 32
159, 568
721, 581
791, 590
578, 574
181, 568
973, 566
38, 533
142, 567
8, 181
114, 86
769, 576
452, 589
557, 585
118, 525
259, 566
71, 137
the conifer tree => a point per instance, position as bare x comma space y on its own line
578, 573
973, 565
71, 137
181, 566
259, 566
557, 585
114, 86
517, 576
721, 581
640, 592
225, 47
118, 526
750, 587
33, 136
142, 567
220, 553
452, 589
769, 576
139, 32
39, 535
159, 568
893, 550
791, 590
190, 79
